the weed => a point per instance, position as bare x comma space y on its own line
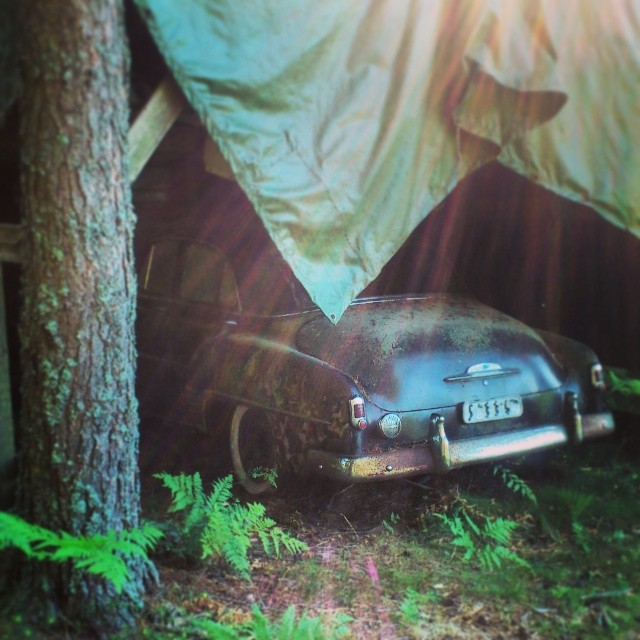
225, 527
181, 624
269, 475
390, 524
581, 536
413, 602
488, 543
288, 627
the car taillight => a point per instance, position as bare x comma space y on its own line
597, 377
357, 413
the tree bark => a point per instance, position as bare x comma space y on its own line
79, 428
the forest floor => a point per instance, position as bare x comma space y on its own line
416, 559
546, 547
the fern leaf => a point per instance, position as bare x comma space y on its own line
220, 493
16, 532
227, 527
147, 537
474, 527
186, 491
287, 623
106, 565
259, 627
265, 540
515, 483
235, 553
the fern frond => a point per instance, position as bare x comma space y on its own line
472, 525
227, 527
146, 537
499, 530
16, 532
488, 544
99, 554
515, 483
186, 491
220, 493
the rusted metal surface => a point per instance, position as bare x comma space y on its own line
429, 459
393, 464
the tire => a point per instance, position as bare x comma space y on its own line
251, 447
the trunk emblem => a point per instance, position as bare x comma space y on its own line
390, 425
482, 370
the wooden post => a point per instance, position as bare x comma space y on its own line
10, 251
7, 443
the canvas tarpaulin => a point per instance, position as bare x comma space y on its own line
347, 121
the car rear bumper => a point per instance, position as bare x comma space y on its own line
441, 455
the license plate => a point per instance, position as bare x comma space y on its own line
494, 409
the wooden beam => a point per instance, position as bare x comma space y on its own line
7, 442
152, 124
214, 161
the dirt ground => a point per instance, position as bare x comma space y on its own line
337, 521
352, 565
332, 520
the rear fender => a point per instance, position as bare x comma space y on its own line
294, 389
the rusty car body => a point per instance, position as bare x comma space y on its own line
401, 385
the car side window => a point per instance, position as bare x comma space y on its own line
208, 277
159, 272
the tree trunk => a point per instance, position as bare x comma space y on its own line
79, 429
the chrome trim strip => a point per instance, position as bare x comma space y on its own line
466, 377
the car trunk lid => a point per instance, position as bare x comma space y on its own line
416, 353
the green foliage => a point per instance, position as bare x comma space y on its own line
103, 555
269, 475
413, 603
288, 628
258, 627
391, 523
515, 483
581, 536
488, 544
623, 390
618, 383
225, 527
562, 513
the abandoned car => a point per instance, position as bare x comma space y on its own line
401, 385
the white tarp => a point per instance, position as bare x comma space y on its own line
347, 121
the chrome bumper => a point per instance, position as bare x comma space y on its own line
440, 455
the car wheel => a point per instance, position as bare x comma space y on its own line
251, 448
